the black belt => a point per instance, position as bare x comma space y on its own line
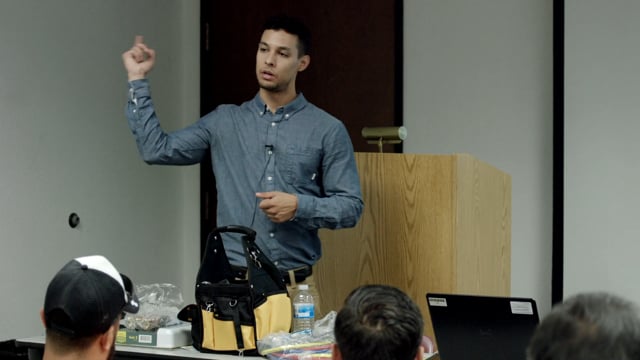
300, 274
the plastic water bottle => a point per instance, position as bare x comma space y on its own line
304, 310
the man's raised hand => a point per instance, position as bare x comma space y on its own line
138, 60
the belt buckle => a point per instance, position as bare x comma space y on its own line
299, 274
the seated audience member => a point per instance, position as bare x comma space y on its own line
588, 326
378, 322
82, 309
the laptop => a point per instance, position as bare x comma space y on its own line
471, 327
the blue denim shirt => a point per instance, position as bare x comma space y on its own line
299, 149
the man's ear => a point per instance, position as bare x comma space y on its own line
420, 353
304, 62
107, 340
335, 352
44, 322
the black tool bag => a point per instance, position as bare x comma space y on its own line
230, 314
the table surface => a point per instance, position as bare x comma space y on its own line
141, 352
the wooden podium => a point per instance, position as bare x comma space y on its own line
431, 223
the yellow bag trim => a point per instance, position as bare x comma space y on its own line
272, 316
221, 334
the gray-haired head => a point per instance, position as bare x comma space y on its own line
587, 326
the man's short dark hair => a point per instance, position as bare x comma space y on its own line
293, 26
588, 326
378, 322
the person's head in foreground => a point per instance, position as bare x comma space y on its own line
82, 309
378, 322
588, 326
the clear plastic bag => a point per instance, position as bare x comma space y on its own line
301, 345
159, 307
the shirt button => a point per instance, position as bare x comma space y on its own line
273, 124
269, 178
275, 263
286, 116
271, 235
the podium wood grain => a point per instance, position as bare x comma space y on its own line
431, 223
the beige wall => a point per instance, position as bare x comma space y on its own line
478, 79
602, 84
65, 147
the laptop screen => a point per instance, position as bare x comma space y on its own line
470, 327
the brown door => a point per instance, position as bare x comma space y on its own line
355, 72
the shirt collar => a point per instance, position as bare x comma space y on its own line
296, 105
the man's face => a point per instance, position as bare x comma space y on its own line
278, 61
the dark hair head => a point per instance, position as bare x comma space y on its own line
293, 26
378, 322
588, 326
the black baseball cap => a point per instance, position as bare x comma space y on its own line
86, 296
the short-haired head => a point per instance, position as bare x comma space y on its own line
378, 322
293, 26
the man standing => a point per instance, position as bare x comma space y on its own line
283, 166
82, 309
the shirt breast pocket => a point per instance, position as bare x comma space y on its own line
301, 165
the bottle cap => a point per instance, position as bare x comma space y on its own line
303, 286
